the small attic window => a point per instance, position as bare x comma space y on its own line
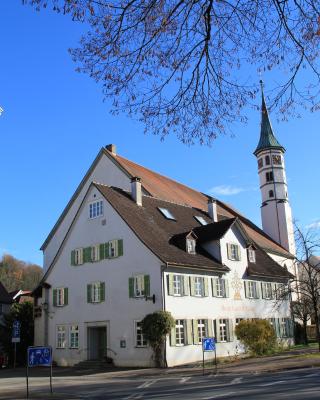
166, 213
201, 220
191, 246
252, 255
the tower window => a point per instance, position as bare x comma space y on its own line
260, 163
276, 159
269, 176
267, 160
271, 194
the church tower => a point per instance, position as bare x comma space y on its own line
275, 209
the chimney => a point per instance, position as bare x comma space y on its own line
136, 192
112, 148
212, 209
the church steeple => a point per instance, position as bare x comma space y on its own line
275, 208
267, 138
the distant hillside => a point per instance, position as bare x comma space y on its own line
16, 274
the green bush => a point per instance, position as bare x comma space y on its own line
156, 327
258, 336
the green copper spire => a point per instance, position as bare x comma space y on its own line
267, 138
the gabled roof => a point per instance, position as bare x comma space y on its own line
4, 295
267, 138
266, 267
159, 186
156, 231
214, 231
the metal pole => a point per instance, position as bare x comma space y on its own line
51, 377
15, 355
202, 361
27, 379
215, 357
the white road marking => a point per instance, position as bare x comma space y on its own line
236, 381
271, 383
217, 396
147, 384
184, 380
311, 375
134, 396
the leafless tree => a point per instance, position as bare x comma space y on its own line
190, 67
304, 288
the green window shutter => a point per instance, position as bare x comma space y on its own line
218, 330
131, 287
170, 285
206, 287
120, 247
277, 327
229, 251
238, 253
89, 291
230, 332
102, 291
195, 331
73, 257
106, 250
173, 336
186, 290
101, 251
258, 294
263, 292
245, 289
188, 329
54, 297
87, 254
214, 287
65, 296
147, 285
209, 328
192, 285
226, 288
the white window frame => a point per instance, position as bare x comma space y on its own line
74, 336
220, 287
223, 330
113, 248
95, 209
234, 250
177, 285
138, 286
95, 253
198, 286
96, 292
60, 297
78, 256
140, 340
180, 332
267, 290
191, 246
252, 255
61, 341
202, 329
252, 289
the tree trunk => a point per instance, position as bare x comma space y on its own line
316, 320
305, 335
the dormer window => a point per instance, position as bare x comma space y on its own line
233, 251
191, 246
252, 255
166, 213
201, 220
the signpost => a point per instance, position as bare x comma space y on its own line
38, 356
209, 345
15, 338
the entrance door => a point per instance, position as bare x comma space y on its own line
97, 342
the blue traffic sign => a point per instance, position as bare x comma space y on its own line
16, 331
208, 344
39, 356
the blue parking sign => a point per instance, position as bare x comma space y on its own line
208, 344
16, 331
39, 356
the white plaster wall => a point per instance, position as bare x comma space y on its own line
188, 307
105, 172
118, 311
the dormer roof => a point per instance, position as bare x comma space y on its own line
267, 138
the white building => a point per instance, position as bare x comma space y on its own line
131, 242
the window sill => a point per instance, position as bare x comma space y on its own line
141, 347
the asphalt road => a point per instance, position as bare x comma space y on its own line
296, 384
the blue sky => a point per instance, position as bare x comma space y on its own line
54, 123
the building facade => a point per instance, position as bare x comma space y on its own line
131, 242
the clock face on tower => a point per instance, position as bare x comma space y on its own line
276, 159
